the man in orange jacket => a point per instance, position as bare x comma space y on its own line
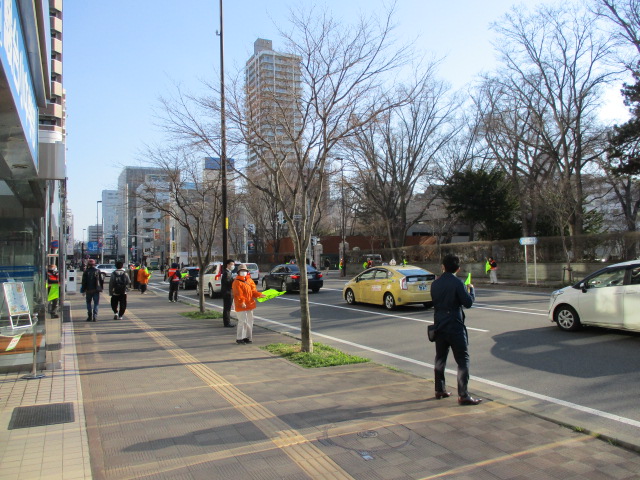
244, 295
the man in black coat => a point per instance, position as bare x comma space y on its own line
226, 280
92, 285
449, 295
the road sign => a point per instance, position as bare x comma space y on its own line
92, 247
528, 240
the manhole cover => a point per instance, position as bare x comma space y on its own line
367, 438
41, 415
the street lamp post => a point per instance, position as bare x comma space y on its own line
343, 220
82, 246
98, 238
223, 145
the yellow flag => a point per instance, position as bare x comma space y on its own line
468, 280
487, 267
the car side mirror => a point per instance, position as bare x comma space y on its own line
583, 287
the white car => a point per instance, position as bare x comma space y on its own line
254, 270
607, 298
106, 269
211, 279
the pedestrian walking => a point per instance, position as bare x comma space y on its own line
53, 290
492, 266
119, 284
226, 288
244, 295
450, 295
92, 285
174, 282
143, 278
327, 266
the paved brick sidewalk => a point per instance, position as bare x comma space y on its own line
169, 397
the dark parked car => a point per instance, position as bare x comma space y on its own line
286, 278
190, 280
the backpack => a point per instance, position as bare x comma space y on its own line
119, 284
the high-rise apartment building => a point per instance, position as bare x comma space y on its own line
273, 88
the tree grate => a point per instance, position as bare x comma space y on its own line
41, 415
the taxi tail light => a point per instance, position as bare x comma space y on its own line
403, 283
295, 277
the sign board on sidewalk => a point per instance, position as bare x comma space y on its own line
528, 240
16, 298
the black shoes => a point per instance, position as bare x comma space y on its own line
440, 395
230, 325
241, 342
246, 340
469, 400
89, 318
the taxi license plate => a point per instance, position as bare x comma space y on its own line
422, 287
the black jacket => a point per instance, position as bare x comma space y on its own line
226, 280
92, 281
449, 294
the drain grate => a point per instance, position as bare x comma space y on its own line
41, 415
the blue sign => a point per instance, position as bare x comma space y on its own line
13, 56
214, 163
92, 247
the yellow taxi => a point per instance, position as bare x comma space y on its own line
390, 285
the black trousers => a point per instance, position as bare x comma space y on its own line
173, 291
227, 302
119, 304
458, 344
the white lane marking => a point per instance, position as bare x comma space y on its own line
557, 401
510, 311
375, 313
504, 306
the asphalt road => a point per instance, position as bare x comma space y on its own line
590, 377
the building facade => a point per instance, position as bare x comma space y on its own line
273, 88
32, 165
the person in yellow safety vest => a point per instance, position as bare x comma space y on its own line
143, 278
53, 290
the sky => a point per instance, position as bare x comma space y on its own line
121, 56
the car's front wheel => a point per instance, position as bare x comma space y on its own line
567, 318
350, 297
389, 301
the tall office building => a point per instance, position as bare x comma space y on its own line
128, 182
273, 88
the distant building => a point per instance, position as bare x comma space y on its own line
273, 87
129, 180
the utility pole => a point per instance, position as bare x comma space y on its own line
223, 146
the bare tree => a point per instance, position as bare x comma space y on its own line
396, 155
184, 193
344, 68
557, 54
625, 15
513, 143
